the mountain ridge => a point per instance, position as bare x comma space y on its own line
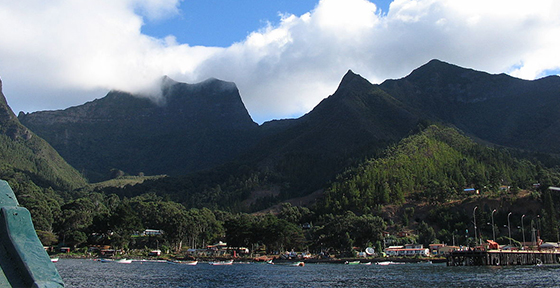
136, 134
357, 120
500, 109
24, 152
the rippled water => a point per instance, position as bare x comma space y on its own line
88, 273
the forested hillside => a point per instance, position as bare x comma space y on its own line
417, 185
37, 174
370, 157
434, 166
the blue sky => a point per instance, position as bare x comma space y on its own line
222, 23
284, 56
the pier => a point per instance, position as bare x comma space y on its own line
502, 257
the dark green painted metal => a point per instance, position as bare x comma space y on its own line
23, 261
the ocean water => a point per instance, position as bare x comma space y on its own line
89, 273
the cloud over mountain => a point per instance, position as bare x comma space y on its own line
61, 53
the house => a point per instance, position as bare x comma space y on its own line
407, 250
434, 249
471, 190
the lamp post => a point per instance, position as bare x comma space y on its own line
523, 232
509, 229
533, 231
474, 221
493, 229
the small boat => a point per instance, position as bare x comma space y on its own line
216, 263
270, 262
299, 264
105, 260
352, 263
54, 260
190, 263
123, 261
366, 263
384, 263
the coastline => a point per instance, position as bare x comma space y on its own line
275, 259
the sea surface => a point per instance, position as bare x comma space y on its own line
89, 273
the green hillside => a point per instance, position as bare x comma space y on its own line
434, 166
416, 187
35, 171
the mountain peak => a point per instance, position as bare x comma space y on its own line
352, 79
349, 76
166, 81
434, 66
6, 113
9, 123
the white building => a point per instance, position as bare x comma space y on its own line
407, 250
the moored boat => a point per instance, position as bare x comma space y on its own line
216, 263
384, 263
352, 262
54, 259
123, 261
299, 264
190, 263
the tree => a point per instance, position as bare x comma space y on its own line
426, 234
123, 222
76, 216
239, 230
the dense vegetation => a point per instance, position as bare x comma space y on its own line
414, 190
430, 168
39, 177
434, 166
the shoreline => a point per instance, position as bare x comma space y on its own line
275, 259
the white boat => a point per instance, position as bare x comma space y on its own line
54, 259
299, 264
388, 263
366, 263
123, 261
216, 263
190, 263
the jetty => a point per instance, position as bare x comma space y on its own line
502, 257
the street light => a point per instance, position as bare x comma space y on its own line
523, 232
493, 229
474, 221
509, 230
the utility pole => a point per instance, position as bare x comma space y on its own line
493, 228
509, 230
474, 221
523, 232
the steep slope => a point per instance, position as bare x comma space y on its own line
496, 108
357, 120
191, 127
298, 156
23, 153
433, 166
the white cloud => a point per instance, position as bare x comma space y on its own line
72, 49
